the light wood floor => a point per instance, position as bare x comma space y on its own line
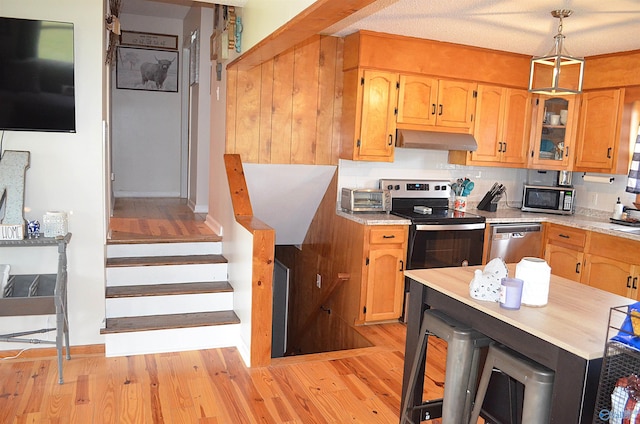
138, 220
214, 386
210, 386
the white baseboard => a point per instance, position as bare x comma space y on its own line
146, 194
215, 226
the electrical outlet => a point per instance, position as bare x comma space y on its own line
319, 281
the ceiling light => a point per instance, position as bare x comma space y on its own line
557, 72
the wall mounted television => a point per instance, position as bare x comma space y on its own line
36, 75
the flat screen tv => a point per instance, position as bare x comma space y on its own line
36, 76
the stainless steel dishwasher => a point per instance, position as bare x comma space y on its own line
512, 242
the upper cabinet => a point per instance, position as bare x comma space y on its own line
502, 128
369, 115
599, 147
436, 104
553, 136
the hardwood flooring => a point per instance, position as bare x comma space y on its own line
208, 386
214, 387
138, 220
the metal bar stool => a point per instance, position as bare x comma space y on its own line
463, 356
537, 381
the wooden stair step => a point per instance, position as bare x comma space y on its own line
170, 321
168, 289
166, 260
132, 238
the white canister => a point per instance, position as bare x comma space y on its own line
536, 274
54, 223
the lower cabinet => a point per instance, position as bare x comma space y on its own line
383, 272
564, 251
612, 264
598, 260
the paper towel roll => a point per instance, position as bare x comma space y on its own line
598, 179
536, 274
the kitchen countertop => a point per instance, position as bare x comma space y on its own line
586, 221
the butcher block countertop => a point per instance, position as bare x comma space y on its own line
575, 318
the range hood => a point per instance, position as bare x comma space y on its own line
435, 140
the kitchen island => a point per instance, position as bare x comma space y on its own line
567, 335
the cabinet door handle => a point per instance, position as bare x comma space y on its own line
440, 108
401, 265
504, 150
500, 147
566, 150
609, 153
563, 236
635, 282
433, 109
390, 139
388, 237
578, 268
629, 282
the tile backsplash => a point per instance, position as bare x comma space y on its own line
415, 163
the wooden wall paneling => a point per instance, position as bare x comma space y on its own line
266, 104
248, 115
305, 101
327, 100
232, 85
282, 108
337, 110
612, 70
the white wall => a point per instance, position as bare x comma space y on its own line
261, 17
202, 19
146, 127
67, 174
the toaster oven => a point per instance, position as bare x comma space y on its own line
365, 200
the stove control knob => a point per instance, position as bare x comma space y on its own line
444, 187
437, 187
389, 187
397, 187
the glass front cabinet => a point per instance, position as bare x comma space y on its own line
554, 133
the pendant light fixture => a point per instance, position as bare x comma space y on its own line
557, 73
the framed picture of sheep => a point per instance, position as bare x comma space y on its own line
147, 69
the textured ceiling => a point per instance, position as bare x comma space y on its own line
595, 27
521, 26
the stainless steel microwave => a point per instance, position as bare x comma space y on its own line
558, 200
365, 200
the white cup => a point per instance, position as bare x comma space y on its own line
555, 120
563, 116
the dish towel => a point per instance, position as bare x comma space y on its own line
633, 182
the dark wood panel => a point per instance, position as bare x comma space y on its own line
162, 322
168, 289
165, 260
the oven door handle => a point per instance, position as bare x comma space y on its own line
450, 227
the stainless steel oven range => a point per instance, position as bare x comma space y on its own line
438, 236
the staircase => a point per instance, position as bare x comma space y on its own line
167, 297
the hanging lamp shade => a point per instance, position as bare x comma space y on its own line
558, 72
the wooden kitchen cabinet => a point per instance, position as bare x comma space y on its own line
368, 128
426, 103
552, 146
383, 272
502, 128
612, 264
598, 146
564, 251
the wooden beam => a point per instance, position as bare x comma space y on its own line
311, 21
238, 186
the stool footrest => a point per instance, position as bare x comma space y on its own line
429, 410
